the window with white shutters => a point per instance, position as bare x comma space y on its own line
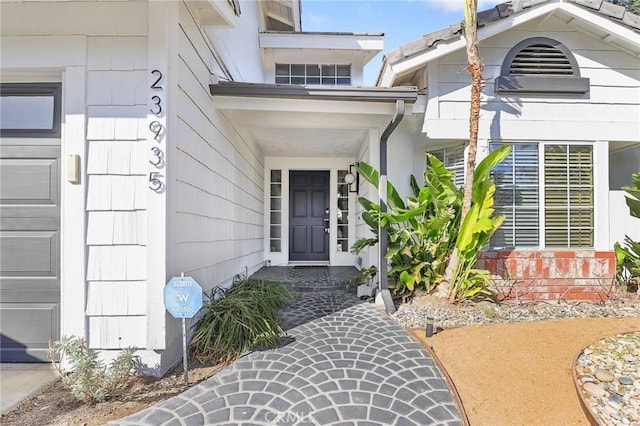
453, 159
516, 197
560, 212
568, 199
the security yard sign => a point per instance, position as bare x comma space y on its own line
183, 297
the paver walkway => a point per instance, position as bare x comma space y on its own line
354, 366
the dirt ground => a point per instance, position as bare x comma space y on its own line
520, 373
54, 405
506, 374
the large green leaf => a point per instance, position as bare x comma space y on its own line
483, 169
372, 176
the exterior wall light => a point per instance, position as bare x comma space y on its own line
350, 179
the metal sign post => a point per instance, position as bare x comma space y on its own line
183, 299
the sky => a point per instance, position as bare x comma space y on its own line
401, 21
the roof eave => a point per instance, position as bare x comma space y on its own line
408, 94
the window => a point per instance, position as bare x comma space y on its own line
564, 203
30, 110
453, 160
333, 75
343, 212
568, 182
540, 65
275, 210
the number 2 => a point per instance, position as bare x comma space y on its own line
154, 85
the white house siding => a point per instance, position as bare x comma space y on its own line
116, 185
610, 110
216, 211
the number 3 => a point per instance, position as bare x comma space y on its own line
156, 102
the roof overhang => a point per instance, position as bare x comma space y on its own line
415, 55
210, 13
308, 121
366, 44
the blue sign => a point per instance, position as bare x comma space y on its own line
182, 297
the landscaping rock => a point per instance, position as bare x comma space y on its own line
594, 390
604, 375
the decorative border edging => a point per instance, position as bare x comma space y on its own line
591, 416
445, 374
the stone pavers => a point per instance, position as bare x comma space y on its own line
355, 366
313, 305
309, 278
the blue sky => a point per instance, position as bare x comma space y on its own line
400, 20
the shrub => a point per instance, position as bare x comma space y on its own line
628, 256
90, 380
235, 319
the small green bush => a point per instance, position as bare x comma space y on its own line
90, 380
235, 319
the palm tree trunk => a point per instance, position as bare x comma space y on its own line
475, 69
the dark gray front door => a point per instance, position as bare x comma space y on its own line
308, 215
29, 249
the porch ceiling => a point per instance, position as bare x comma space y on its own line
309, 142
308, 121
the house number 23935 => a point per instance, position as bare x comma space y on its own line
156, 182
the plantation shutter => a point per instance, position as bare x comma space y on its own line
516, 197
453, 159
568, 195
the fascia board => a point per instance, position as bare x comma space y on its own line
241, 103
321, 41
615, 30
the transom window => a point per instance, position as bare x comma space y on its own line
560, 211
30, 109
330, 75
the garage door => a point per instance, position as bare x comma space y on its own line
29, 221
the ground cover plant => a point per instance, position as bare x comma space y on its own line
235, 319
89, 379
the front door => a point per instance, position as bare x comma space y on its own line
309, 216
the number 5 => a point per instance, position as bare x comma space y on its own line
154, 181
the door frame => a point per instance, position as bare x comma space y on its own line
286, 164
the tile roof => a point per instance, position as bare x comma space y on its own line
614, 12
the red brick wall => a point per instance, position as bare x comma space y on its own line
551, 274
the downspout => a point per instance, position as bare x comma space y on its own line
383, 289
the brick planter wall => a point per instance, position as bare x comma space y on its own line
551, 274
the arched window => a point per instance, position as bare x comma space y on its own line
540, 65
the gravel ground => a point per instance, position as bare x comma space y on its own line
415, 313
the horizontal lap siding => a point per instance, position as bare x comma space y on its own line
218, 190
117, 192
614, 75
